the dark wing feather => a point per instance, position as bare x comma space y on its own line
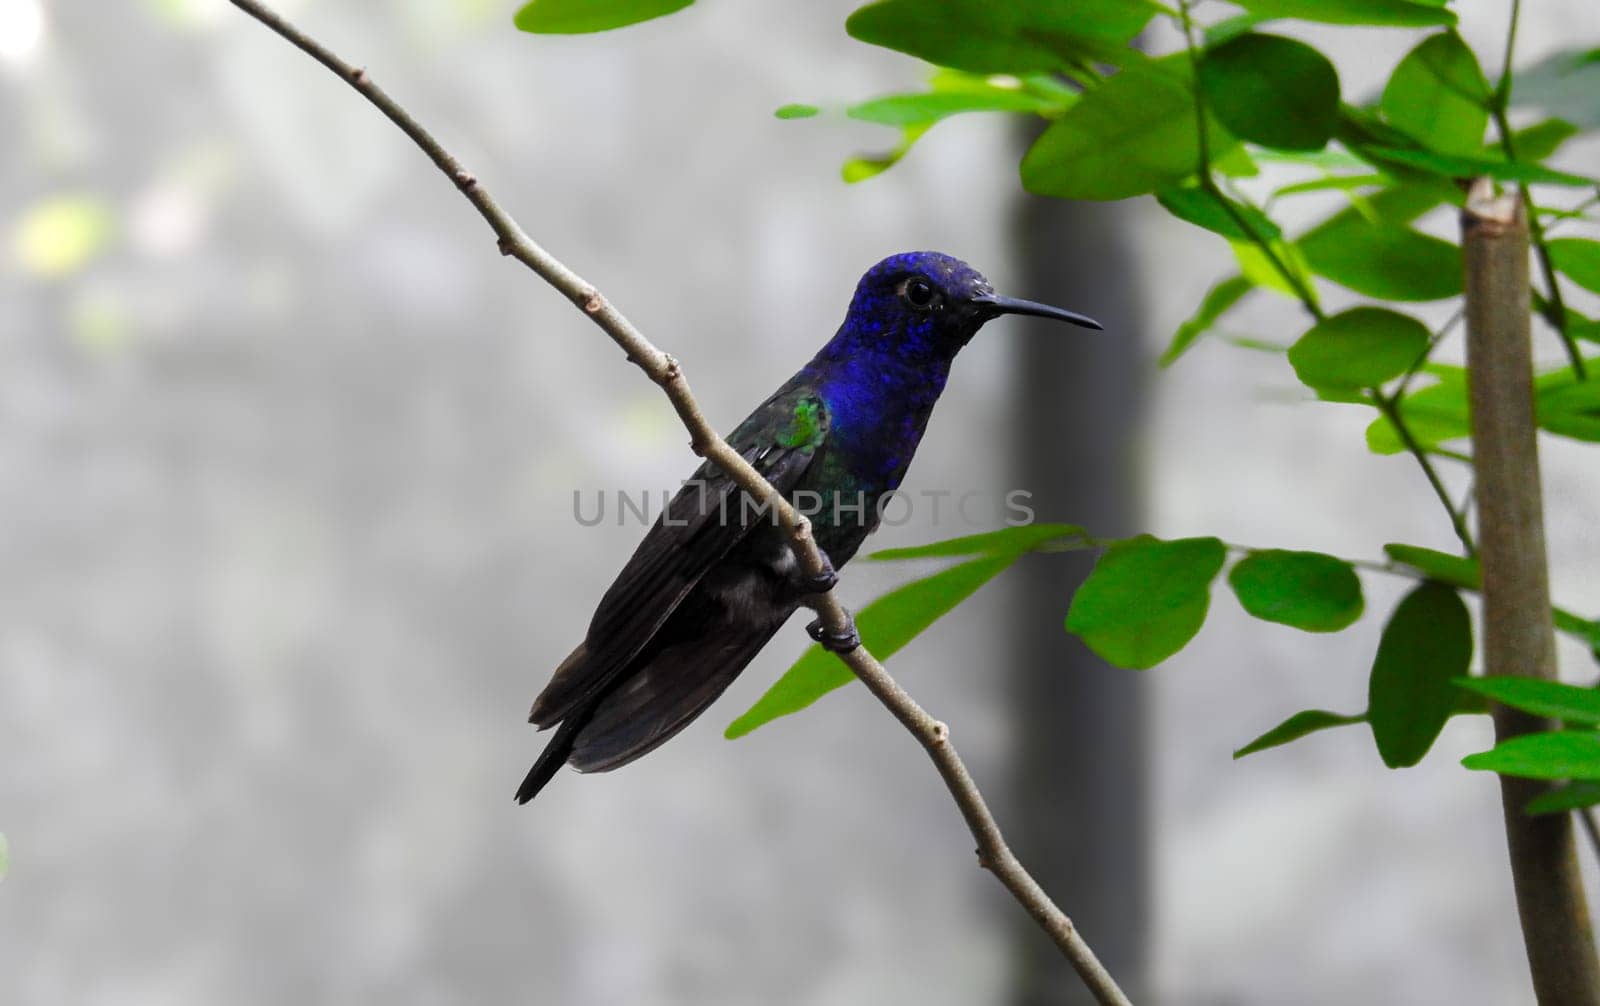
690, 537
664, 696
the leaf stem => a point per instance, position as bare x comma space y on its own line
1391, 411
1427, 351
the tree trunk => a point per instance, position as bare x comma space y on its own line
1518, 637
1079, 793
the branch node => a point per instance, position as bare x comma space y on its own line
466, 179
593, 304
504, 246
670, 368
939, 732
358, 76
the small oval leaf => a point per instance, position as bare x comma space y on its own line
1307, 590
981, 36
1411, 692
1272, 90
1146, 598
1359, 348
1384, 260
1438, 96
1131, 135
577, 17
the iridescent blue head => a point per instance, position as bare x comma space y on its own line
886, 367
926, 305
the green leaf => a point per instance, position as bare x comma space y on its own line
1551, 699
1020, 36
1570, 409
1557, 754
1297, 726
1573, 796
1387, 261
1368, 180
1306, 590
1410, 694
575, 17
1261, 271
1216, 303
1330, 159
1131, 135
1146, 598
1006, 541
860, 168
930, 107
1538, 141
1455, 570
1204, 208
1272, 90
1581, 629
1397, 13
886, 625
1439, 97
1456, 167
1579, 258
1460, 571
1393, 206
1359, 348
796, 111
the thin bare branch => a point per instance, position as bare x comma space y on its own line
993, 852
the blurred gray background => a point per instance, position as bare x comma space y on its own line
287, 455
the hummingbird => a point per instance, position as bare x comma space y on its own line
715, 577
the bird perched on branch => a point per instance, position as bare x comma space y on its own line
715, 577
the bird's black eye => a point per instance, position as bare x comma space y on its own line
919, 293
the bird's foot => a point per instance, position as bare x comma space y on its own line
818, 583
835, 642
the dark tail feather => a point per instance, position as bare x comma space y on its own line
664, 697
554, 755
645, 706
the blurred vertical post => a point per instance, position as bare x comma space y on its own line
1518, 637
1079, 794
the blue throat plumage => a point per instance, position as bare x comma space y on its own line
885, 368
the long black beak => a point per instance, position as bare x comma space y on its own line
1014, 305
